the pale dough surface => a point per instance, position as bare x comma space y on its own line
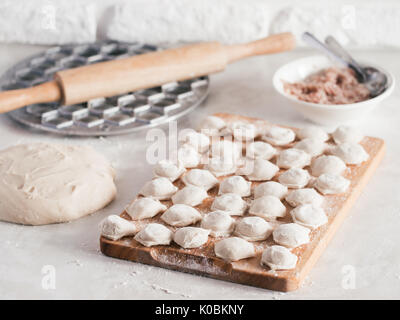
44, 183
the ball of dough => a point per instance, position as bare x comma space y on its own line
291, 235
220, 223
231, 203
278, 258
253, 229
268, 207
143, 208
270, 188
327, 164
44, 183
235, 184
294, 178
191, 237
234, 249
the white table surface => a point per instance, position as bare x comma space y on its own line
368, 241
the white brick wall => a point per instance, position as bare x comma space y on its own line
356, 23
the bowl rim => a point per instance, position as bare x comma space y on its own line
307, 59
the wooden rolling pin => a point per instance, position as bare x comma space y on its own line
148, 70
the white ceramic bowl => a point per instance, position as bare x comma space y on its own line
325, 114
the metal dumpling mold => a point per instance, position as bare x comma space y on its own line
121, 114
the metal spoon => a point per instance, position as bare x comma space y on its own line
373, 79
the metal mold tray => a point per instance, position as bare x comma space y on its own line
121, 114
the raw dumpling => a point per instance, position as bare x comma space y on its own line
235, 184
278, 258
191, 237
188, 157
350, 153
225, 149
143, 208
114, 227
294, 178
313, 133
190, 195
159, 188
212, 125
331, 184
268, 207
309, 216
327, 164
231, 203
253, 229
242, 130
200, 178
314, 147
304, 196
221, 167
279, 136
293, 158
291, 235
196, 140
168, 169
234, 249
270, 188
154, 234
260, 149
181, 215
220, 223
258, 170
346, 134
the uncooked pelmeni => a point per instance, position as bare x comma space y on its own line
181, 215
313, 133
258, 170
234, 249
42, 183
242, 130
221, 166
220, 223
327, 164
235, 184
267, 207
168, 169
190, 195
278, 136
188, 156
295, 178
347, 134
197, 140
278, 258
260, 149
304, 196
331, 184
212, 125
350, 153
114, 227
159, 188
154, 234
191, 237
291, 235
310, 216
253, 229
225, 149
314, 147
270, 188
144, 208
200, 178
231, 203
293, 158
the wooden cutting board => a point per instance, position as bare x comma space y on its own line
202, 261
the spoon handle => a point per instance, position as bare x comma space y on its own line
339, 50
